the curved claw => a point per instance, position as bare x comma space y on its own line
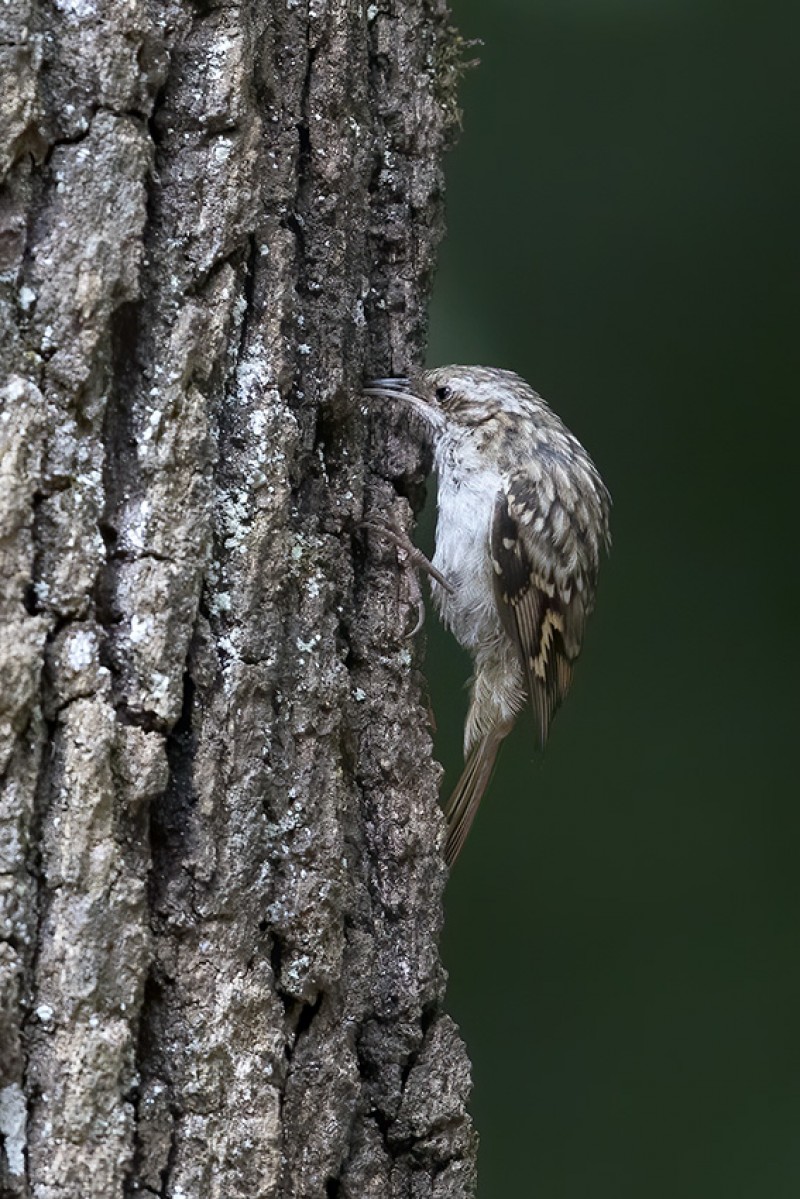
420, 619
404, 542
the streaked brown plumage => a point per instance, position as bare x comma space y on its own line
522, 520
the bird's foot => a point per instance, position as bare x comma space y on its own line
410, 558
403, 542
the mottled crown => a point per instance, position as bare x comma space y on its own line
471, 395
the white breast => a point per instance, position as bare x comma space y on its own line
463, 528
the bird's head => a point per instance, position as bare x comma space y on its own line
450, 398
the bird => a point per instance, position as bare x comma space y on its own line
522, 522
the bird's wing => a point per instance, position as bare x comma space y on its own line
544, 580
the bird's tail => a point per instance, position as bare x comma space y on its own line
462, 805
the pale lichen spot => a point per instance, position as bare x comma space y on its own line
81, 650
140, 628
13, 1127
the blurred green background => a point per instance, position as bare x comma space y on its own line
623, 926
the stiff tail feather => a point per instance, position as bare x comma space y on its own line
462, 805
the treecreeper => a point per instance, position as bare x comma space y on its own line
522, 518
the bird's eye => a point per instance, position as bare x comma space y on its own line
443, 393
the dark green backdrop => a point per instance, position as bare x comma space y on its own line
622, 933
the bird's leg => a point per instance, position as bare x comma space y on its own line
409, 557
401, 539
405, 558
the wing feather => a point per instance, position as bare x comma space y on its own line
543, 586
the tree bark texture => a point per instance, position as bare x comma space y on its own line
220, 871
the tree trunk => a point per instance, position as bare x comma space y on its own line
220, 870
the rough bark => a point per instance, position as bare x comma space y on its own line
220, 871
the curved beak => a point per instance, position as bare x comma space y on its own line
388, 387
401, 389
